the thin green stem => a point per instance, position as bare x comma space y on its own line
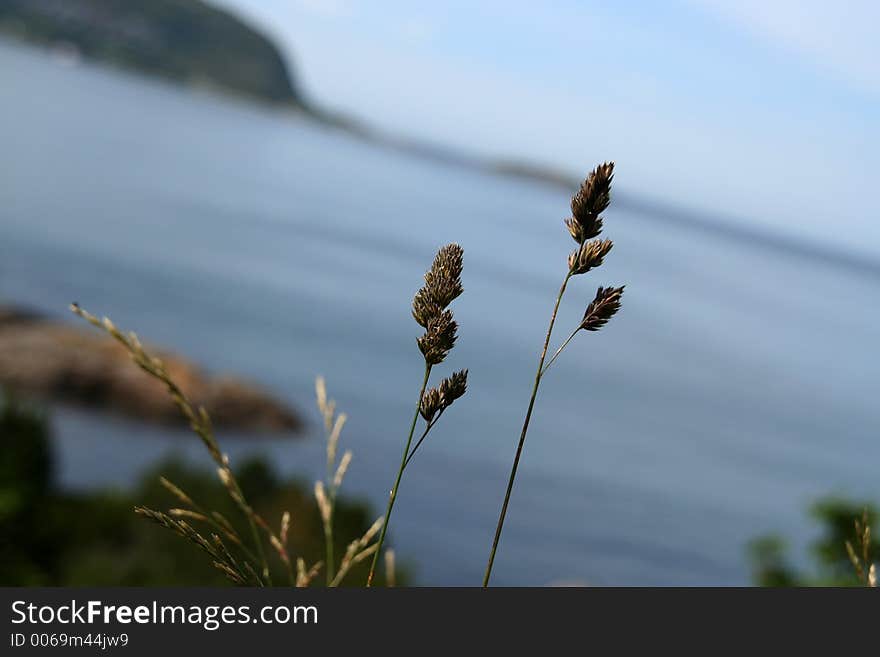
256, 536
393, 495
328, 525
522, 438
424, 435
559, 351
328, 540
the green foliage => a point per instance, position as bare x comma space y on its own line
30, 453
61, 538
25, 472
832, 564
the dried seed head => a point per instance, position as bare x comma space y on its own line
590, 255
442, 284
333, 437
602, 308
372, 531
305, 575
323, 502
187, 513
225, 476
176, 491
430, 404
344, 462
453, 387
279, 548
854, 560
581, 234
439, 338
590, 201
424, 308
321, 394
444, 291
444, 278
285, 527
390, 569
440, 398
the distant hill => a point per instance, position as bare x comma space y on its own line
184, 40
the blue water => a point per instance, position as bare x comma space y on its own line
738, 383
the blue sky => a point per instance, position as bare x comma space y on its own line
769, 110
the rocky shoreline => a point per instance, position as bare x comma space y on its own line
56, 361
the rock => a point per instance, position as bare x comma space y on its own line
80, 365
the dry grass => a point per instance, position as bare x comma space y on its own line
244, 561
326, 492
859, 551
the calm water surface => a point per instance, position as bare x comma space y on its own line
738, 383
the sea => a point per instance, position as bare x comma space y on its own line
737, 385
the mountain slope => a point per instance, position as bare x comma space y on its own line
184, 40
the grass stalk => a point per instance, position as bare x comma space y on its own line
585, 223
525, 429
258, 541
328, 526
559, 351
403, 461
328, 539
199, 421
326, 492
422, 439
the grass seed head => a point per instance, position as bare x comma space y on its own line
323, 503
442, 285
430, 404
588, 256
439, 338
589, 202
602, 308
453, 387
443, 280
424, 308
344, 462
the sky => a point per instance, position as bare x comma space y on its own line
765, 111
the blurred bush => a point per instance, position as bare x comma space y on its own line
52, 537
771, 565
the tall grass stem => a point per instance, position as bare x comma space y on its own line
328, 539
559, 351
424, 435
522, 438
403, 460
